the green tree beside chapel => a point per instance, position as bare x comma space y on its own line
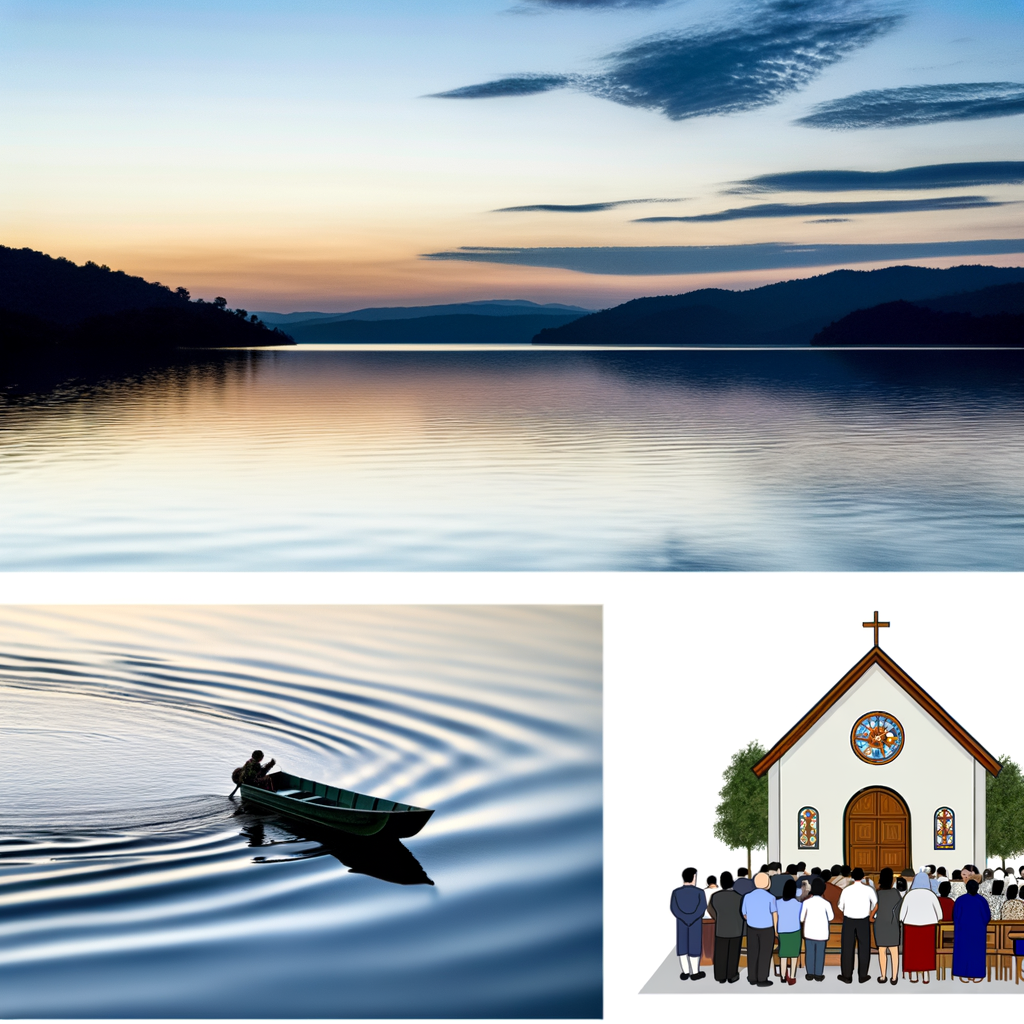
1004, 812
741, 819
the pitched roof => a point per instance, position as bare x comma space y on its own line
876, 656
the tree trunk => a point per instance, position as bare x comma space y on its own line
749, 875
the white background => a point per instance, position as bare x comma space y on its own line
696, 666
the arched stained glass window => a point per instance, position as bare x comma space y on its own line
807, 828
945, 829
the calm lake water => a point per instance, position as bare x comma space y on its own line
535, 459
132, 886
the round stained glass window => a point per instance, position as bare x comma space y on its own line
877, 738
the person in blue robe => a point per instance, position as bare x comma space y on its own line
971, 915
688, 905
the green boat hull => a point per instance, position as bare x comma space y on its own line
336, 808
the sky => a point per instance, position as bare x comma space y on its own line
329, 155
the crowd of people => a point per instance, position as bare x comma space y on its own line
791, 912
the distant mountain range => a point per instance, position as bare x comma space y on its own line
488, 321
52, 305
478, 307
790, 312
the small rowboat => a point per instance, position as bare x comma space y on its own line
337, 808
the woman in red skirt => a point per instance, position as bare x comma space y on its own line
920, 912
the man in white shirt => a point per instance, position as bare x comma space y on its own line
815, 914
857, 903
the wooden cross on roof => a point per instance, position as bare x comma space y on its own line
876, 625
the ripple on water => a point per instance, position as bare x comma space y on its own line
523, 460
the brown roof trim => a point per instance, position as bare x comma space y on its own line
876, 656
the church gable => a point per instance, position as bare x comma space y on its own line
876, 658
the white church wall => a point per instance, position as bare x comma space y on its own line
932, 770
980, 808
774, 820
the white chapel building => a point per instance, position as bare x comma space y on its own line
876, 775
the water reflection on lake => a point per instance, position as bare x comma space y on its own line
530, 459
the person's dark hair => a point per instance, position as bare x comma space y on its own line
712, 880
741, 872
931, 868
689, 874
1013, 892
766, 867
988, 873
944, 888
885, 879
997, 887
817, 886
791, 869
789, 890
972, 887
815, 872
802, 866
257, 755
957, 876
826, 875
726, 879
837, 869
901, 884
858, 874
940, 870
845, 870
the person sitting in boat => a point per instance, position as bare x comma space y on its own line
254, 773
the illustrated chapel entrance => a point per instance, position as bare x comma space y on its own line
877, 831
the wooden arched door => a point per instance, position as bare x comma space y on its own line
877, 831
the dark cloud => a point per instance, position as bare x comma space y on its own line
778, 47
964, 175
712, 259
829, 209
918, 104
829, 220
580, 207
520, 85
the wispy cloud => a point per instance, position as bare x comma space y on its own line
963, 175
834, 209
918, 104
773, 48
580, 207
712, 259
519, 85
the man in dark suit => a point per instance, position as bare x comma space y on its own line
688, 905
743, 884
726, 909
779, 881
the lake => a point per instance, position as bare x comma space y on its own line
531, 459
132, 885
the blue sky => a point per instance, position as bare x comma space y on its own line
322, 155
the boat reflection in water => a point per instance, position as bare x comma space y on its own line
379, 857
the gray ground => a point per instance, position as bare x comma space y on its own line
665, 980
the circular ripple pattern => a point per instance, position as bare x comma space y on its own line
131, 885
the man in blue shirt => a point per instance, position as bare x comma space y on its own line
762, 918
688, 905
